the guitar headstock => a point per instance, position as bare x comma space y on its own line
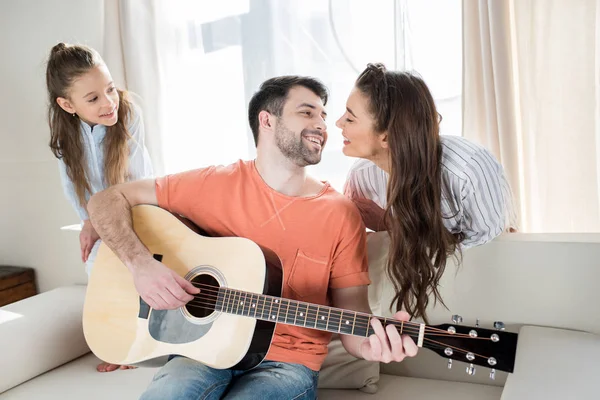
492, 348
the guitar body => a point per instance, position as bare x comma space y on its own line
120, 328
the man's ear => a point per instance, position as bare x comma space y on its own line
383, 140
65, 105
266, 120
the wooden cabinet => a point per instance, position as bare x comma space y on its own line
16, 283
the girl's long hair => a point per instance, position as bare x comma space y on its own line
65, 64
403, 107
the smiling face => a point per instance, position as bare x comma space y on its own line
93, 97
357, 125
301, 131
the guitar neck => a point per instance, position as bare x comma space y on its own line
307, 315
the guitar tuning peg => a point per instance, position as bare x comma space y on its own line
457, 319
471, 369
493, 374
499, 325
449, 363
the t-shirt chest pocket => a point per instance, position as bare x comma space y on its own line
309, 277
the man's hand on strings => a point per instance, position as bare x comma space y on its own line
386, 344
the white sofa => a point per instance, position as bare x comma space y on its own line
543, 286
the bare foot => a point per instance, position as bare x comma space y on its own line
106, 367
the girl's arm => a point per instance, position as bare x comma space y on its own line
140, 164
69, 190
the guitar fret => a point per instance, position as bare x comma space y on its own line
328, 316
306, 315
255, 299
353, 323
248, 303
278, 301
243, 303
295, 312
346, 325
334, 318
220, 299
228, 301
320, 320
251, 308
219, 303
287, 312
362, 325
237, 302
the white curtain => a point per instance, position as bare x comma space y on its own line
196, 64
135, 42
530, 94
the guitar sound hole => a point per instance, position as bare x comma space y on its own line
204, 303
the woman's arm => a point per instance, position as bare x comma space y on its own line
364, 187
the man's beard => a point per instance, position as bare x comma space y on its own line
294, 148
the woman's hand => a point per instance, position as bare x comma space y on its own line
371, 214
87, 239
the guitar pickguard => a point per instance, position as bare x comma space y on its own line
171, 326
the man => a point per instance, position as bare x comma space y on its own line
317, 233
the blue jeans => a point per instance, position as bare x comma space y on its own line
183, 378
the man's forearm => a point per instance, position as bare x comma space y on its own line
352, 344
110, 214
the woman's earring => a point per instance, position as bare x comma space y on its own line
73, 114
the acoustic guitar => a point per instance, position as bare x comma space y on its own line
230, 323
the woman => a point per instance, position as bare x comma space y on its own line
434, 194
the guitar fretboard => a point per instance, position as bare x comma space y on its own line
298, 313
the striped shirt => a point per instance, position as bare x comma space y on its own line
140, 166
476, 197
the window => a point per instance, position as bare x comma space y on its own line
224, 50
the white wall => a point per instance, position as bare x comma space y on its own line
32, 205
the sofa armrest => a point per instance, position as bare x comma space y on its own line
40, 333
554, 364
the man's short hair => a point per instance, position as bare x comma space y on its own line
273, 93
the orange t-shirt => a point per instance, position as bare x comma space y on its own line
320, 240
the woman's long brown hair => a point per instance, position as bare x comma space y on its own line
403, 107
65, 64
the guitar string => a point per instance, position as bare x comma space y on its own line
212, 288
230, 300
314, 322
432, 343
362, 324
312, 314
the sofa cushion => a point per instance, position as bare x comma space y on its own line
554, 364
79, 380
398, 387
40, 333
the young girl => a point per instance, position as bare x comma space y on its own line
435, 195
97, 134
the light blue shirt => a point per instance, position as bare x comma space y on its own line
140, 165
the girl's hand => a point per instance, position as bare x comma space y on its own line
87, 239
